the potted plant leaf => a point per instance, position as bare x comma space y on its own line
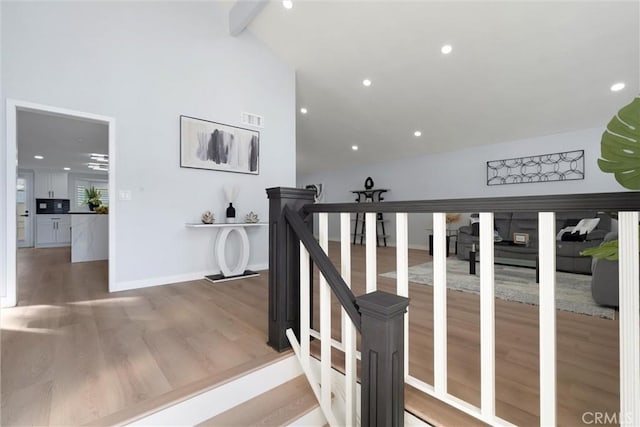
620, 155
93, 195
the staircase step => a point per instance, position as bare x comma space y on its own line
279, 406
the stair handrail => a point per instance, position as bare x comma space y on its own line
340, 289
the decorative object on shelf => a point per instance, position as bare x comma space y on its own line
370, 195
208, 218
102, 209
93, 195
368, 183
521, 239
215, 146
231, 194
318, 189
231, 214
565, 166
251, 218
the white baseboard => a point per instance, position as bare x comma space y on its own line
167, 280
7, 302
213, 402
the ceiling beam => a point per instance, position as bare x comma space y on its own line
242, 13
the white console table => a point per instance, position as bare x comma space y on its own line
239, 271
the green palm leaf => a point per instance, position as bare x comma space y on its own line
607, 250
620, 146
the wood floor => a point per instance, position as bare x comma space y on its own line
74, 354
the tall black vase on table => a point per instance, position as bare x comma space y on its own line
231, 214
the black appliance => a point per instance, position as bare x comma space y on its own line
52, 206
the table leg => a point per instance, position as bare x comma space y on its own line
240, 269
472, 262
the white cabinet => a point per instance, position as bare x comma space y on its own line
53, 230
51, 185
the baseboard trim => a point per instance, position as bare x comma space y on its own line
7, 302
168, 280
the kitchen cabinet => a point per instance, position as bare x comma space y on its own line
53, 230
51, 185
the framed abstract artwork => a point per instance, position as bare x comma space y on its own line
215, 146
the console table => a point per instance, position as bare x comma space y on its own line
515, 262
370, 195
239, 271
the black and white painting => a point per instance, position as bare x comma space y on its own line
215, 146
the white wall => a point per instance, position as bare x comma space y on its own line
462, 174
145, 64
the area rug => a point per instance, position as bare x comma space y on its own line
573, 291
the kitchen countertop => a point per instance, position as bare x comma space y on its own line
84, 213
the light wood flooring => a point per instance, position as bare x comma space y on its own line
74, 354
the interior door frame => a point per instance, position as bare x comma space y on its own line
30, 207
13, 106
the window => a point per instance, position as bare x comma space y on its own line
82, 185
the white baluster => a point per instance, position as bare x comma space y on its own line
487, 318
348, 329
629, 319
402, 267
439, 304
325, 318
547, 286
370, 219
305, 320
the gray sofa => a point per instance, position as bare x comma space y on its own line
568, 256
604, 283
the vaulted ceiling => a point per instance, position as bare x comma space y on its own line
517, 69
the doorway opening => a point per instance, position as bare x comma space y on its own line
61, 154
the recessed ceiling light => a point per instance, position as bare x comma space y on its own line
446, 49
417, 133
354, 147
38, 157
288, 4
617, 87
303, 110
366, 82
67, 169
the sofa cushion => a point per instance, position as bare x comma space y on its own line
572, 249
563, 218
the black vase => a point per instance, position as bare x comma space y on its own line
231, 213
92, 207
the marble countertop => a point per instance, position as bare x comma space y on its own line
84, 213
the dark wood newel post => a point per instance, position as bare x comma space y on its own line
382, 358
284, 265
